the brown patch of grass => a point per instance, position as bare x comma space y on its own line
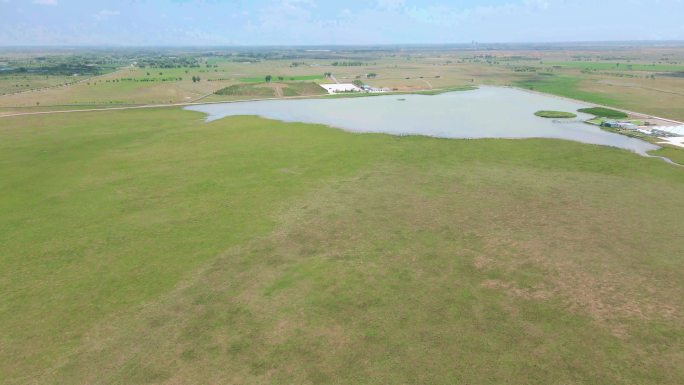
537, 293
339, 280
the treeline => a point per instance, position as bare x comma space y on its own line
59, 65
618, 74
347, 64
63, 69
144, 80
169, 62
524, 69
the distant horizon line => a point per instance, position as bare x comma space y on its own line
365, 45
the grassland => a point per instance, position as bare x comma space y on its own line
20, 83
603, 112
619, 66
150, 247
283, 78
271, 90
439, 91
247, 90
555, 114
674, 154
303, 89
567, 86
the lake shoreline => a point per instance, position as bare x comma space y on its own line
487, 112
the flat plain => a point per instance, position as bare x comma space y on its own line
644, 79
147, 246
150, 247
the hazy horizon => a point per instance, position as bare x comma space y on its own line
379, 46
147, 23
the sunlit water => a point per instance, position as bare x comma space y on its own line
489, 112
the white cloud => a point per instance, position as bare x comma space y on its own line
106, 14
45, 2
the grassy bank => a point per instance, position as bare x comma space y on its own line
150, 247
439, 91
674, 154
423, 92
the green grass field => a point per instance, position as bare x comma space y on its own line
567, 86
443, 90
674, 154
286, 78
602, 112
615, 66
303, 88
147, 246
555, 114
247, 90
24, 82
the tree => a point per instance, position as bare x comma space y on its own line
281, 78
358, 83
268, 78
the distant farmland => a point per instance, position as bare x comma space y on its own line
282, 78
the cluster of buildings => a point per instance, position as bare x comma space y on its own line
673, 135
336, 88
669, 131
619, 124
625, 126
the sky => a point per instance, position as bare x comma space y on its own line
328, 22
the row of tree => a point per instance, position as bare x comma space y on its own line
269, 78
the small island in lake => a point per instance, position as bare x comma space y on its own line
555, 114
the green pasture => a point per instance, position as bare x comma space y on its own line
617, 66
146, 246
286, 78
563, 85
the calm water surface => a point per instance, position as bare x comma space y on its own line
489, 112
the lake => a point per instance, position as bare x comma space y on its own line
488, 112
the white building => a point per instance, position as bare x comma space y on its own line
676, 141
669, 130
336, 88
